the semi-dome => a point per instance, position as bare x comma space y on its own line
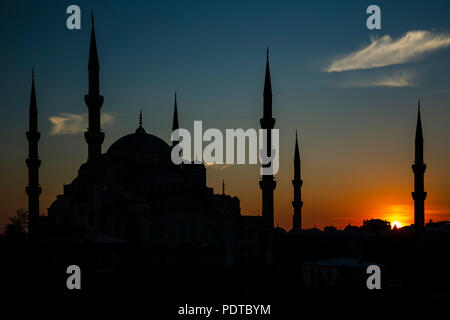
139, 142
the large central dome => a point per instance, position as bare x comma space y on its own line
139, 142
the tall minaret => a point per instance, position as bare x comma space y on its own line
297, 183
175, 125
419, 167
33, 163
267, 184
94, 136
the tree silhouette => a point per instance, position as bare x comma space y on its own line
17, 227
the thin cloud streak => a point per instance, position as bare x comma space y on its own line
71, 123
442, 92
385, 52
217, 166
397, 79
403, 79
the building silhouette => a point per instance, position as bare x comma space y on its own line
130, 210
33, 163
419, 168
175, 125
297, 183
267, 183
133, 193
94, 101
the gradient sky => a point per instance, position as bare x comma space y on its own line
356, 126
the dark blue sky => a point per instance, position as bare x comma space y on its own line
352, 123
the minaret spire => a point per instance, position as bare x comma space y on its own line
419, 168
175, 124
33, 163
267, 90
267, 183
33, 105
297, 204
93, 54
419, 137
94, 101
297, 167
140, 129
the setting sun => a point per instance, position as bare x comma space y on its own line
396, 224
399, 214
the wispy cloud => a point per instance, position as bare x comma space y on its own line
442, 92
217, 166
71, 123
397, 79
385, 52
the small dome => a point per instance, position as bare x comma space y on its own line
164, 177
139, 143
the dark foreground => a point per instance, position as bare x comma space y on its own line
292, 285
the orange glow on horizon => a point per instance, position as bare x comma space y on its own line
396, 224
399, 215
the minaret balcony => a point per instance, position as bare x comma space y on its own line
33, 163
33, 136
93, 100
297, 203
267, 123
419, 167
33, 190
297, 183
419, 195
267, 184
94, 137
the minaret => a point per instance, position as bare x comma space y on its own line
33, 163
175, 125
297, 183
140, 129
94, 101
418, 168
267, 183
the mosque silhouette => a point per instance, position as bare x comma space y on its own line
132, 213
134, 193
